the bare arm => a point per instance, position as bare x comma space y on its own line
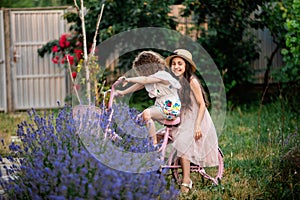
131, 89
145, 80
197, 91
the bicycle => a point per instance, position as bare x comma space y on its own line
174, 165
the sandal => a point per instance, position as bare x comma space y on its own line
187, 185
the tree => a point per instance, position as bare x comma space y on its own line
282, 19
119, 16
271, 18
228, 38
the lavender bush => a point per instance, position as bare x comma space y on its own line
54, 159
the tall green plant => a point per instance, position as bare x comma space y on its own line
119, 16
282, 19
271, 16
226, 38
291, 54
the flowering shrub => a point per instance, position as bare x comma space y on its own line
63, 51
55, 163
67, 47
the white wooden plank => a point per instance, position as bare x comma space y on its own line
3, 95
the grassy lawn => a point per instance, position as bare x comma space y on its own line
252, 155
253, 142
8, 128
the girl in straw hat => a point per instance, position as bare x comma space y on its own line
195, 139
150, 67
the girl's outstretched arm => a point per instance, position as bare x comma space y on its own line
131, 89
145, 80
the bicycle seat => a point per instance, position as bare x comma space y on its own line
174, 122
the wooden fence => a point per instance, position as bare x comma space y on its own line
30, 81
3, 106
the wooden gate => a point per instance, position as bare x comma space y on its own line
37, 83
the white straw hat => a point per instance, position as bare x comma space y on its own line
185, 54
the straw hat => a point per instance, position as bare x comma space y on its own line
185, 54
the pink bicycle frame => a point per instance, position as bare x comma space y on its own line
110, 102
112, 92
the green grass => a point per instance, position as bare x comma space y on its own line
252, 152
8, 128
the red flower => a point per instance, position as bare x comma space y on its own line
67, 43
78, 53
70, 58
62, 61
55, 59
62, 41
74, 74
55, 48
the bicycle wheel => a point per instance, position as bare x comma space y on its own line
213, 174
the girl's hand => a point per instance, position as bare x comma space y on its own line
198, 134
123, 80
119, 93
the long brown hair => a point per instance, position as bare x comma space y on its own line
184, 92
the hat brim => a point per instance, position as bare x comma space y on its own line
169, 58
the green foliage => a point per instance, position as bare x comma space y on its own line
291, 54
227, 38
119, 16
282, 19
134, 14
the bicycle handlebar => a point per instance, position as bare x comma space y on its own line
112, 92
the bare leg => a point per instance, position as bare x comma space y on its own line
186, 166
148, 116
151, 126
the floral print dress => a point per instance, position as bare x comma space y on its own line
166, 95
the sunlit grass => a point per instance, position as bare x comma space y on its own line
8, 128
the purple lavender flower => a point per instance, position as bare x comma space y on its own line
54, 162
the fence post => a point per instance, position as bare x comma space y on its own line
7, 36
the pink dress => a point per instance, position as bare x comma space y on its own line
203, 152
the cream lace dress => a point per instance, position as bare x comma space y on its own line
203, 152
